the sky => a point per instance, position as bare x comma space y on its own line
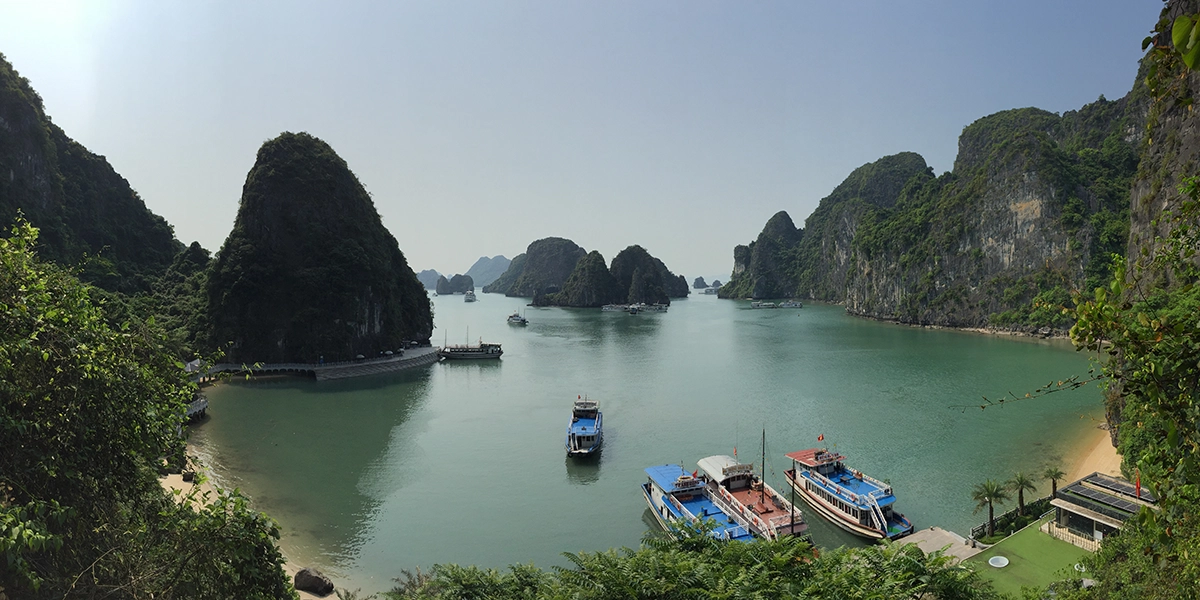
481, 126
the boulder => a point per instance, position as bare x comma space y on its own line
312, 580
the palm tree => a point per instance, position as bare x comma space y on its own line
985, 494
1019, 483
1053, 474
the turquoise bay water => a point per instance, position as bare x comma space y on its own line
465, 462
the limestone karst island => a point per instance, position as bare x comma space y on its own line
596, 301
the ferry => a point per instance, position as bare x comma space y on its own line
469, 296
482, 350
850, 499
585, 432
741, 504
615, 308
763, 305
517, 319
791, 304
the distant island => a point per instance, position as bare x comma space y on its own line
429, 278
486, 270
459, 284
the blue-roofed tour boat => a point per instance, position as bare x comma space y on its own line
740, 505
850, 499
585, 432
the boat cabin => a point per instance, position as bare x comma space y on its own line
585, 409
727, 472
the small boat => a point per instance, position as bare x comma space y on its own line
634, 309
850, 499
585, 432
481, 350
763, 305
517, 319
712, 291
653, 307
615, 308
469, 296
791, 304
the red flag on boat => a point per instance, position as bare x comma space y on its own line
579, 396
821, 438
1139, 483
695, 473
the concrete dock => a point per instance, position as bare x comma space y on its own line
936, 538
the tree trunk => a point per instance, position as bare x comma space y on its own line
1021, 502
991, 520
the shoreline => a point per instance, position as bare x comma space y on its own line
1095, 453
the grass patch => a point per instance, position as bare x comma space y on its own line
1034, 559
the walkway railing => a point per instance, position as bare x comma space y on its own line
979, 531
1062, 533
731, 507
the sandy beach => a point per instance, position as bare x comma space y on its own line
205, 490
1096, 454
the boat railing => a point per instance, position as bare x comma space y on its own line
783, 503
737, 511
884, 489
685, 513
734, 532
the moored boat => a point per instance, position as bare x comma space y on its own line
482, 350
469, 296
763, 305
768, 512
850, 499
517, 319
791, 304
676, 496
585, 432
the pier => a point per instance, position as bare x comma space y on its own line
415, 357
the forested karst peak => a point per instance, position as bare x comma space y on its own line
309, 270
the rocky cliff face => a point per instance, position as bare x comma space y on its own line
486, 270
88, 214
545, 265
309, 269
429, 278
1031, 211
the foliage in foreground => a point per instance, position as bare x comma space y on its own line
87, 411
698, 566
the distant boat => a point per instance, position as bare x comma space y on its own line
517, 319
615, 308
481, 350
763, 305
850, 499
791, 304
469, 296
585, 431
712, 291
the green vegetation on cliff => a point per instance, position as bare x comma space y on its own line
544, 268
309, 269
1036, 207
87, 413
505, 281
88, 214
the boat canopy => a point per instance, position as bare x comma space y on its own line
722, 467
672, 478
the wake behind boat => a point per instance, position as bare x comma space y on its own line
850, 499
585, 432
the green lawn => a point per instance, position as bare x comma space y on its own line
1034, 559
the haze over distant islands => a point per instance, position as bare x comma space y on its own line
682, 127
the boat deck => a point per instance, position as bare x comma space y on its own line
703, 508
583, 426
757, 502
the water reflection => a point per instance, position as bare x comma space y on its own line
584, 470
277, 439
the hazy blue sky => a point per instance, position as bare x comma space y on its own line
481, 126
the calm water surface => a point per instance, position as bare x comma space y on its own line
465, 462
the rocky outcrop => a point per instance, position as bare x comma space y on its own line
429, 278
459, 284
1032, 209
545, 264
699, 283
589, 285
486, 270
87, 213
505, 281
640, 276
309, 269
312, 580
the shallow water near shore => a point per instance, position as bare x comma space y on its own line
464, 462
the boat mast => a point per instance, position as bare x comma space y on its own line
793, 486
762, 480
